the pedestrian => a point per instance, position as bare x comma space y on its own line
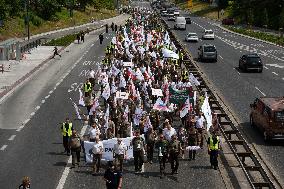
106, 28
162, 146
97, 155
94, 132
138, 151
168, 131
88, 103
200, 126
150, 138
87, 87
182, 137
213, 143
113, 177
112, 26
174, 149
92, 77
82, 36
75, 146
101, 38
78, 37
192, 141
55, 50
119, 153
26, 183
115, 28
66, 130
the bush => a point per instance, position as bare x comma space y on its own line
35, 20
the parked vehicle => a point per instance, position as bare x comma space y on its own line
207, 52
208, 34
180, 23
191, 37
176, 13
188, 20
267, 114
164, 13
228, 21
251, 62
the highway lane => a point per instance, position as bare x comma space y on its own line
239, 89
36, 149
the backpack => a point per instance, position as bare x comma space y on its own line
75, 142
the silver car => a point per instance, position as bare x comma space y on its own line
207, 52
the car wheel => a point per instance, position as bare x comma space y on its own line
252, 124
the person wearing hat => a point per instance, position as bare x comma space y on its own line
138, 151
113, 177
213, 143
119, 153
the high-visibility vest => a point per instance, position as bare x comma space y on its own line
181, 56
87, 87
214, 146
176, 62
105, 62
68, 131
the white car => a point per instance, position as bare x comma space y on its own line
176, 13
208, 34
191, 37
180, 23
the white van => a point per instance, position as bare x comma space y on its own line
180, 23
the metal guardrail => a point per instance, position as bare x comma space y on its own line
246, 158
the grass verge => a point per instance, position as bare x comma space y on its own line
63, 41
15, 27
258, 35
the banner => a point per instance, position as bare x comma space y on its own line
185, 109
178, 96
160, 105
169, 54
127, 64
157, 92
121, 95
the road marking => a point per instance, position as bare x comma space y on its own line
67, 167
221, 57
260, 91
12, 137
54, 88
275, 73
50, 92
57, 84
3, 147
20, 128
266, 67
33, 113
275, 65
237, 71
283, 78
47, 96
37, 108
43, 101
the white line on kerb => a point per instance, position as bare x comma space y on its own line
3, 147
20, 128
43, 101
50, 92
67, 167
12, 137
266, 67
283, 78
275, 73
221, 57
237, 71
33, 113
37, 108
260, 91
47, 96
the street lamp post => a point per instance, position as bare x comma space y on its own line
27, 18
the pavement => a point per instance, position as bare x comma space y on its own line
238, 89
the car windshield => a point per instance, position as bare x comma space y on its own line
279, 116
209, 49
208, 32
253, 59
192, 35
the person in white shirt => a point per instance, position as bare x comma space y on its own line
97, 155
168, 132
119, 153
200, 125
92, 77
94, 132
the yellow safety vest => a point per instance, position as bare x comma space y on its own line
68, 131
214, 146
87, 87
181, 56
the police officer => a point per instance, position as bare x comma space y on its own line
174, 149
101, 37
138, 151
162, 146
181, 58
66, 130
106, 28
213, 143
107, 50
87, 88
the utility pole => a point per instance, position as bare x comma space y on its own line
27, 18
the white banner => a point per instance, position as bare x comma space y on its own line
127, 64
157, 92
122, 95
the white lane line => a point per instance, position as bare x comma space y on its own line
12, 137
67, 167
260, 91
47, 96
275, 73
57, 84
33, 113
37, 108
237, 71
221, 57
26, 121
20, 128
50, 92
3, 147
54, 88
43, 101
266, 67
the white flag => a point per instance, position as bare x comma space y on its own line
81, 99
106, 92
76, 109
185, 108
113, 87
193, 80
137, 116
205, 108
106, 117
122, 83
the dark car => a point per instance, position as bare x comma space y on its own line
251, 62
228, 21
207, 52
188, 20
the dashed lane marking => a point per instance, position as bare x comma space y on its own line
20, 128
33, 113
260, 91
3, 147
50, 92
43, 101
47, 96
266, 67
275, 73
12, 137
37, 108
237, 71
221, 57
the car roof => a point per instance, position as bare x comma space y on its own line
192, 33
251, 55
207, 30
274, 103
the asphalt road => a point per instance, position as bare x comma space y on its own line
239, 89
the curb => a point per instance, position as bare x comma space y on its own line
249, 37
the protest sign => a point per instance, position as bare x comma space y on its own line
127, 64
122, 95
178, 96
157, 92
